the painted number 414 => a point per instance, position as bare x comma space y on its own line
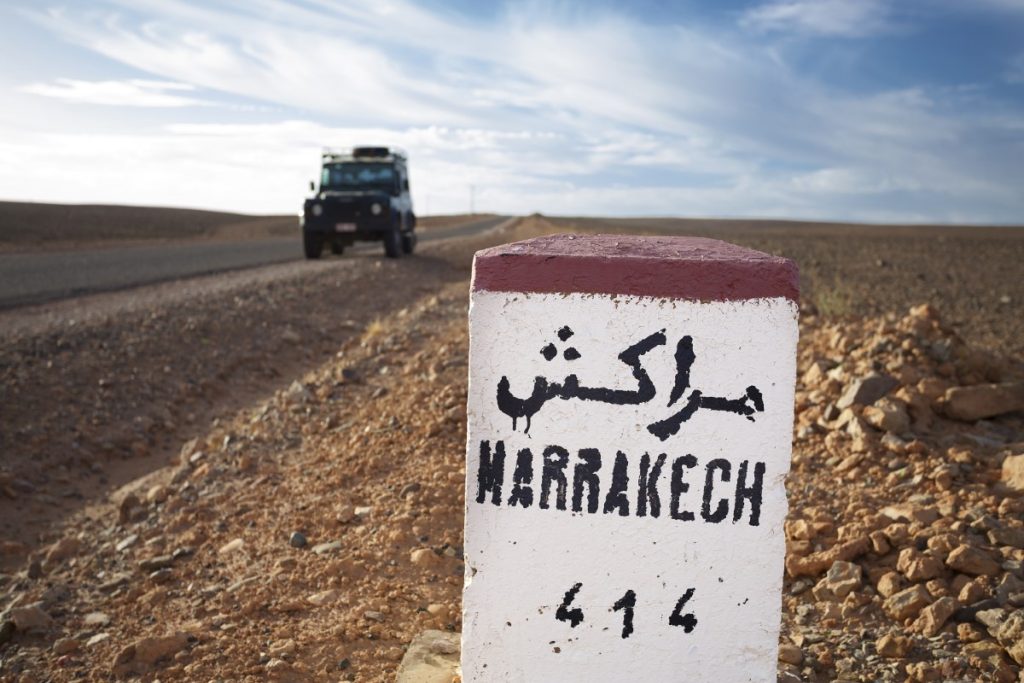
626, 604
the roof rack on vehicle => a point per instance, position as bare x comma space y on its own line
363, 152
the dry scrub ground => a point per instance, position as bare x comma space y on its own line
310, 534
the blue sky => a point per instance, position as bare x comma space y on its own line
871, 110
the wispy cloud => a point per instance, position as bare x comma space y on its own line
1015, 69
542, 109
127, 93
846, 18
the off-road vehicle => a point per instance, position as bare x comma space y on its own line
363, 195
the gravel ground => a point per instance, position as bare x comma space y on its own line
301, 519
972, 274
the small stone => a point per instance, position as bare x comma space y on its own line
1007, 535
30, 618
62, 550
282, 648
424, 557
297, 540
231, 546
889, 584
1013, 472
156, 563
907, 603
324, 597
124, 510
97, 639
917, 566
842, 579
866, 390
934, 616
411, 487
970, 560
888, 415
893, 646
151, 650
161, 575
972, 592
790, 654
157, 494
983, 400
126, 542
324, 548
345, 514
63, 646
96, 619
373, 616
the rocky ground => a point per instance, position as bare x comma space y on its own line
905, 533
311, 531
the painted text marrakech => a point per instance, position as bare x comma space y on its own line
656, 485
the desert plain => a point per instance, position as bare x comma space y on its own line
257, 474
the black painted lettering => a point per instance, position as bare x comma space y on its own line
585, 473
751, 493
648, 482
617, 500
522, 480
709, 484
491, 473
679, 487
556, 459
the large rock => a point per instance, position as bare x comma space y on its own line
983, 400
1013, 472
31, 618
888, 415
907, 603
969, 560
866, 390
842, 579
934, 616
432, 657
1010, 634
146, 652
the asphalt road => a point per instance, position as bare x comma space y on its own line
39, 277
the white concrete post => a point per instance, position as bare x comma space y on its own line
630, 417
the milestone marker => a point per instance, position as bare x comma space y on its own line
630, 418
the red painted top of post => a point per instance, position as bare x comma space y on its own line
694, 268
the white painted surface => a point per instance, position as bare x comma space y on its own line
520, 562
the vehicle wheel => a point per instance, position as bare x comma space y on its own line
393, 243
337, 248
408, 242
312, 244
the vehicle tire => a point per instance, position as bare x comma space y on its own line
312, 244
408, 242
337, 248
393, 243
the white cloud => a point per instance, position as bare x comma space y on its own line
127, 93
847, 18
541, 110
1015, 69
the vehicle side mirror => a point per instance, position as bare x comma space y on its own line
312, 186
405, 184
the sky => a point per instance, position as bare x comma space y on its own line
894, 111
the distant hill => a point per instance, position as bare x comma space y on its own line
36, 225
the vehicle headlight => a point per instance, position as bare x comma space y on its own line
376, 208
317, 210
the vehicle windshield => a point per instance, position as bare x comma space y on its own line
358, 176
